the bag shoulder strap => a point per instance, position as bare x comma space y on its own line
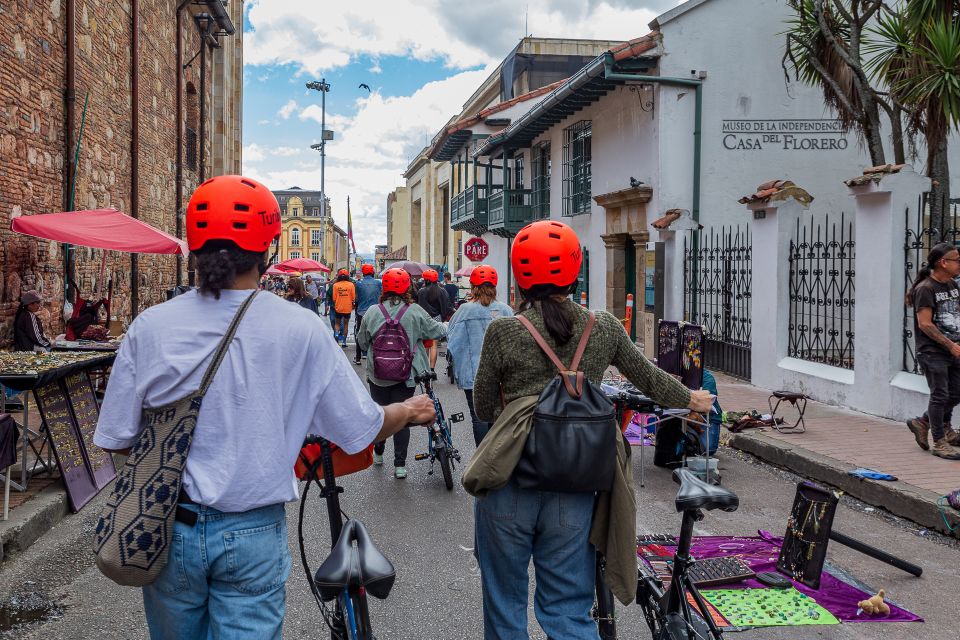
224, 345
403, 310
575, 390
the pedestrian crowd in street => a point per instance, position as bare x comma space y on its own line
225, 575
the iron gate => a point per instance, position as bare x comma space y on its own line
717, 281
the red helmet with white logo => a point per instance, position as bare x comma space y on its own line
343, 272
367, 269
431, 275
483, 274
233, 208
546, 252
395, 280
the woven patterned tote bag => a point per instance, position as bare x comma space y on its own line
133, 535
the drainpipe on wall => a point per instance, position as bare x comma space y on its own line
135, 149
179, 125
697, 86
205, 35
70, 103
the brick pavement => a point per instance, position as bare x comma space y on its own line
850, 438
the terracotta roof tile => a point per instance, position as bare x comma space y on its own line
636, 46
399, 254
874, 174
681, 217
777, 190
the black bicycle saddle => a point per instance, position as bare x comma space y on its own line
354, 565
696, 494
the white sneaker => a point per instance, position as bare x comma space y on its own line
377, 459
400, 473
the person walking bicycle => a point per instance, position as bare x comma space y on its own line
935, 297
229, 559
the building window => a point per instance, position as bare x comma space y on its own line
540, 180
315, 256
295, 237
316, 211
315, 237
576, 168
193, 124
294, 255
296, 212
518, 171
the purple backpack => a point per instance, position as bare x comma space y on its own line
392, 354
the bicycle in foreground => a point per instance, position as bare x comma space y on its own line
669, 615
354, 568
440, 436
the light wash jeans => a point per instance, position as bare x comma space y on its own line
225, 578
513, 524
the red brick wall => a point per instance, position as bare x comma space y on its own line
32, 86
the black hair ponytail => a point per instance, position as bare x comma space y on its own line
937, 252
219, 262
557, 316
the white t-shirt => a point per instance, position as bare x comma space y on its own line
282, 378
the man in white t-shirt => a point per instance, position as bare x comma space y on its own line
226, 574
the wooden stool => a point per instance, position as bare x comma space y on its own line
799, 402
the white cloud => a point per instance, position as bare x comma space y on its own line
372, 149
288, 109
253, 153
317, 38
375, 68
285, 152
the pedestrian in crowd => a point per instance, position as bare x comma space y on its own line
436, 303
28, 334
311, 286
513, 523
453, 291
298, 293
229, 561
344, 301
394, 301
369, 290
465, 336
935, 297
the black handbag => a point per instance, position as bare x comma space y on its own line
571, 447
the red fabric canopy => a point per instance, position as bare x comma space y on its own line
100, 229
302, 264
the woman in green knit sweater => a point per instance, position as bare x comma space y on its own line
513, 524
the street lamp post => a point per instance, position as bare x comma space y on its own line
323, 87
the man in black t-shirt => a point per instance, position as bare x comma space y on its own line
436, 303
935, 297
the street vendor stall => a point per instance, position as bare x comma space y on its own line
60, 385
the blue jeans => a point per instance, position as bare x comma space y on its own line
480, 428
225, 578
513, 524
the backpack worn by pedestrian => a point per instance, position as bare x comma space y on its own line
572, 443
392, 353
133, 536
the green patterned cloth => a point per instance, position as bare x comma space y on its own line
511, 357
768, 607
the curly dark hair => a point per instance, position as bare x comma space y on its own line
219, 262
405, 297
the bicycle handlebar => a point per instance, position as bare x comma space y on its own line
429, 376
636, 402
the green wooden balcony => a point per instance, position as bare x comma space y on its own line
468, 210
510, 211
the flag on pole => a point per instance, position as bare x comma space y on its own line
350, 227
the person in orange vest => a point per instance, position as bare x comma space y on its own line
344, 301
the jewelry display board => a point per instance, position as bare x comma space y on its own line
668, 347
67, 446
691, 356
86, 412
804, 546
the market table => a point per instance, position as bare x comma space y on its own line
61, 387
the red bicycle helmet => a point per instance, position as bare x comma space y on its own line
431, 275
343, 272
483, 274
233, 208
395, 280
367, 270
546, 252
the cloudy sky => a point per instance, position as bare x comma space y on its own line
422, 59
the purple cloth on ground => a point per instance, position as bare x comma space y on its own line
638, 431
760, 552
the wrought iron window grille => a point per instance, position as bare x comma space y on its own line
577, 168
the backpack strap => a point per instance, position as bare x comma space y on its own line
581, 347
574, 389
224, 345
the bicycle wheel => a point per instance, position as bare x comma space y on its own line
443, 457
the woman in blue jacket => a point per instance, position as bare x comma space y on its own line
465, 335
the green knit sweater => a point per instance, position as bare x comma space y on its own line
511, 358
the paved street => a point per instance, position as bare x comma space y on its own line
427, 532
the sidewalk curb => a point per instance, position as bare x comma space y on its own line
899, 498
32, 519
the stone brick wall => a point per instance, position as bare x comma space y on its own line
32, 151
